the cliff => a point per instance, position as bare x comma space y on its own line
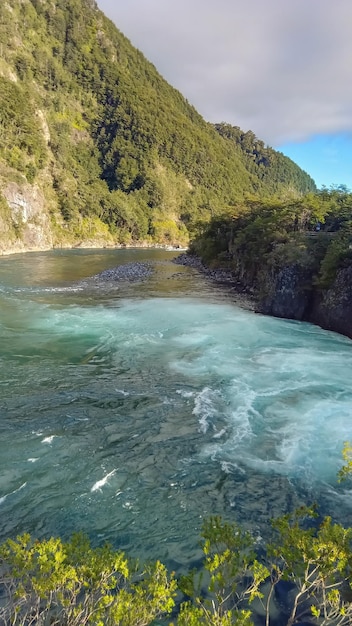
295, 258
294, 295
24, 221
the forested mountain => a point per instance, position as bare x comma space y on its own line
95, 145
273, 169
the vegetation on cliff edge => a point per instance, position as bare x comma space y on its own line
263, 236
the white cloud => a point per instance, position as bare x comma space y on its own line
278, 67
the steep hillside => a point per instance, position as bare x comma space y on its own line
95, 146
275, 171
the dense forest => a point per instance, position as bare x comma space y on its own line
261, 235
114, 152
294, 256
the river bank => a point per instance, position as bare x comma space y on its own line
289, 294
243, 296
89, 245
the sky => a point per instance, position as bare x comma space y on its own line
281, 68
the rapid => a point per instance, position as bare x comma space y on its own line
134, 408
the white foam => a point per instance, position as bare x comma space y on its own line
265, 394
204, 407
193, 339
219, 433
185, 394
122, 392
49, 439
100, 483
242, 399
58, 289
267, 466
229, 468
3, 498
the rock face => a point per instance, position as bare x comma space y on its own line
292, 294
27, 219
332, 309
289, 293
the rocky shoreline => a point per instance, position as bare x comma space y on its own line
141, 270
128, 272
222, 277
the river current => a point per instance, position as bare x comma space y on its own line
134, 409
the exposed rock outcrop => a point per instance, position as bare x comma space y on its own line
332, 308
291, 293
27, 221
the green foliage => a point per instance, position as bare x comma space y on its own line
191, 615
338, 255
338, 225
72, 583
263, 236
76, 97
317, 561
233, 577
314, 559
21, 142
8, 230
274, 169
346, 470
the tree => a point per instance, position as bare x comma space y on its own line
346, 469
313, 561
72, 583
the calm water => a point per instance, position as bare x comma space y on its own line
134, 410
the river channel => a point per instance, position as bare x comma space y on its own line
134, 406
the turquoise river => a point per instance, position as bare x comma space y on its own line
133, 409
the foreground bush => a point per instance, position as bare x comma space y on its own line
304, 574
51, 582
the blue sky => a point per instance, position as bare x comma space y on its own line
327, 158
280, 68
